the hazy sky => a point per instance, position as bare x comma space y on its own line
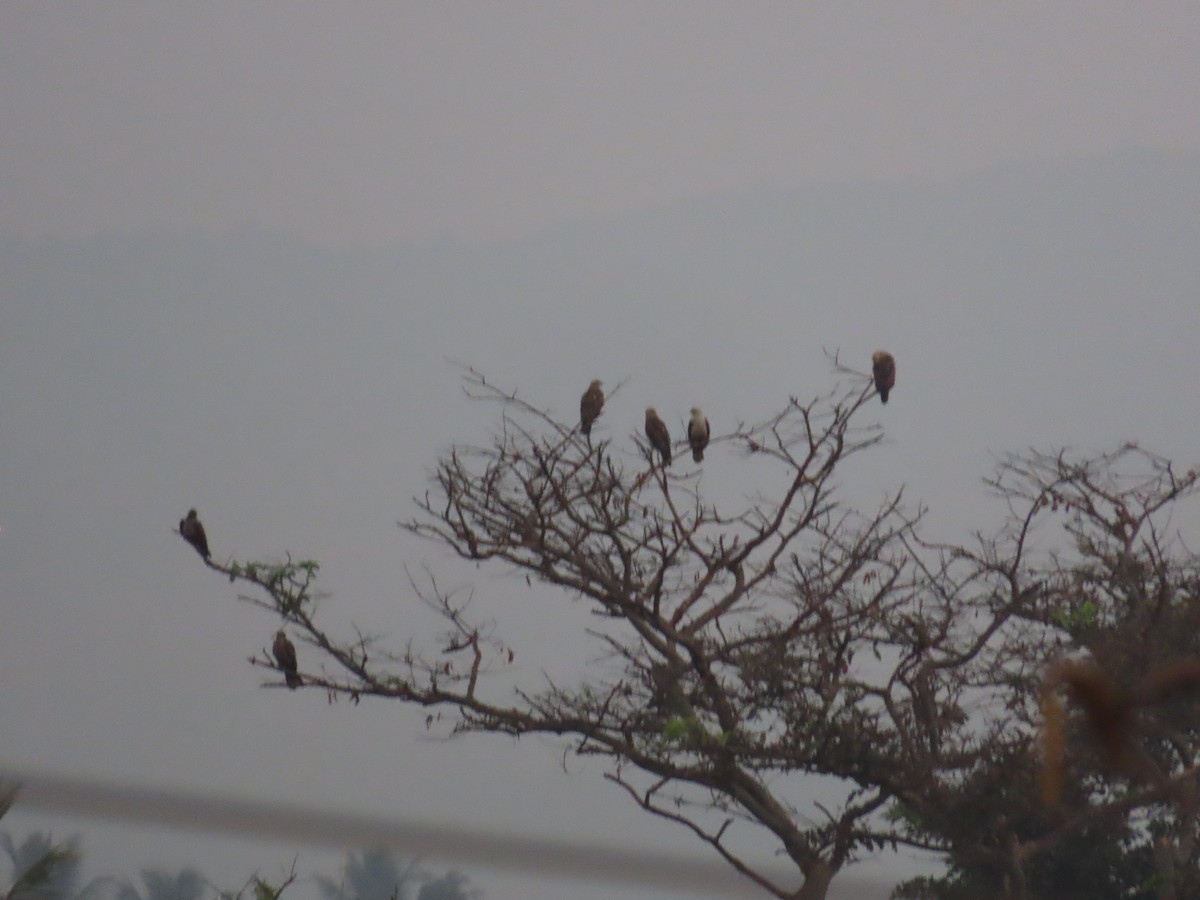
238, 244
380, 121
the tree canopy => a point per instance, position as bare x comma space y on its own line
1022, 701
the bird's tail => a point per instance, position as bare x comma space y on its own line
293, 679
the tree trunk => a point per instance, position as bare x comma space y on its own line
816, 881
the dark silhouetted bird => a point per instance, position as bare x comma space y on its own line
697, 433
591, 404
883, 367
285, 656
193, 533
659, 437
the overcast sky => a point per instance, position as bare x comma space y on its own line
238, 245
382, 121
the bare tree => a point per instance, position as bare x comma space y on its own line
750, 650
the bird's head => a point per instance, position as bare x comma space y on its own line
191, 515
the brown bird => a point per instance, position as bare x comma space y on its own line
697, 434
591, 404
1111, 715
660, 438
1107, 710
884, 368
285, 655
193, 533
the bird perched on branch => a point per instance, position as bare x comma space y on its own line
285, 655
883, 366
659, 437
697, 434
591, 404
193, 533
1110, 712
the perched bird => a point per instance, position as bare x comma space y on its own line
660, 438
285, 656
884, 368
697, 434
591, 404
193, 533
1111, 713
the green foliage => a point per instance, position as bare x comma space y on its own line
41, 867
372, 875
1083, 617
686, 731
382, 875
264, 890
675, 729
1096, 863
902, 813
